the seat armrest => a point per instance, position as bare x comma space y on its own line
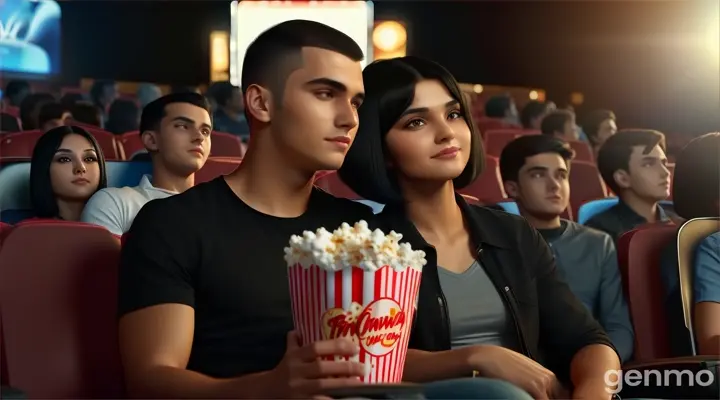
7, 392
693, 377
665, 363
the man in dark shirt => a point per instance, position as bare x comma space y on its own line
204, 299
634, 166
535, 170
228, 116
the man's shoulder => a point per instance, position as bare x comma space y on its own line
341, 206
178, 207
601, 219
589, 234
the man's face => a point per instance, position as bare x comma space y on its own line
648, 176
542, 189
606, 129
317, 119
569, 131
182, 144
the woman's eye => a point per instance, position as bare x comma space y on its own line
455, 115
416, 123
63, 159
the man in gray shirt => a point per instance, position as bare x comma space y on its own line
175, 130
535, 172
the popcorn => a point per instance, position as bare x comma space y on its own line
352, 246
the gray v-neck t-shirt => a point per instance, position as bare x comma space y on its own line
476, 310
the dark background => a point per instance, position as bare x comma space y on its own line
639, 58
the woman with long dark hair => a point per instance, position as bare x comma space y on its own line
490, 303
67, 168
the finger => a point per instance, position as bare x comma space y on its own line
336, 347
537, 390
293, 340
325, 369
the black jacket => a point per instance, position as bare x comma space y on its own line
551, 323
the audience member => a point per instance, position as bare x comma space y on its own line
15, 92
490, 279
696, 194
123, 116
502, 107
535, 170
8, 123
184, 89
598, 126
175, 130
87, 113
302, 83
103, 93
533, 113
146, 93
52, 115
70, 99
30, 108
560, 124
229, 116
67, 167
634, 166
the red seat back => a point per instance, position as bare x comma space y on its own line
215, 167
639, 261
585, 184
131, 144
226, 145
485, 124
583, 152
332, 183
19, 144
496, 140
59, 310
488, 186
107, 142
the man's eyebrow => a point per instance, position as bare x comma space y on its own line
191, 121
419, 110
339, 86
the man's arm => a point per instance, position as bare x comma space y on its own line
707, 295
103, 209
613, 311
589, 369
155, 344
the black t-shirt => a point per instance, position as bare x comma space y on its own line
207, 249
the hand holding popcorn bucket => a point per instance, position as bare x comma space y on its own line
359, 284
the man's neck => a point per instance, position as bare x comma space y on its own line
644, 208
70, 210
433, 210
266, 182
163, 178
541, 223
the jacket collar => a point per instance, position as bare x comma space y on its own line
482, 223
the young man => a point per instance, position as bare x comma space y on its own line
204, 296
533, 113
15, 92
535, 172
599, 126
52, 115
502, 107
633, 165
560, 124
175, 130
228, 116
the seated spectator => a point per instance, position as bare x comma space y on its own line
502, 107
634, 166
102, 94
123, 116
52, 115
146, 93
67, 168
30, 108
535, 171
560, 124
8, 123
86, 113
533, 113
175, 130
598, 126
229, 116
15, 93
184, 89
696, 194
70, 99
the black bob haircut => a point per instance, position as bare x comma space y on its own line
154, 111
277, 52
42, 196
515, 153
389, 91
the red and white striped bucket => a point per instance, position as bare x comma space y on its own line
374, 308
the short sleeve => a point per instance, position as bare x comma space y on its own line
158, 258
102, 209
707, 270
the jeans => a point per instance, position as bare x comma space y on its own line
473, 388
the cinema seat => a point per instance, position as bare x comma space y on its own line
19, 144
582, 150
226, 145
61, 305
487, 187
215, 167
585, 184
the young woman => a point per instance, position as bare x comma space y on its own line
490, 301
67, 168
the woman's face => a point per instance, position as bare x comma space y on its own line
74, 171
431, 140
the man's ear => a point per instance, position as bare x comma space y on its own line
622, 179
258, 103
511, 189
150, 140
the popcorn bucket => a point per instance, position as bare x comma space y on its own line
358, 284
